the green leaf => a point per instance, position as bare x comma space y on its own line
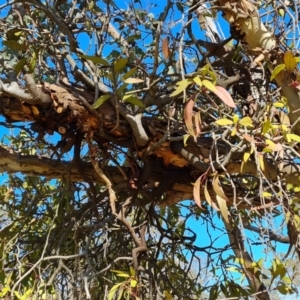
14, 34
33, 61
224, 122
283, 289
95, 59
120, 64
277, 70
20, 65
129, 73
121, 89
101, 100
14, 45
133, 100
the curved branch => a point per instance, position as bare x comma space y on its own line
271, 234
38, 96
13, 89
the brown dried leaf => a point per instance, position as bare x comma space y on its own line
197, 190
165, 48
248, 138
218, 188
224, 96
208, 198
198, 123
223, 208
188, 116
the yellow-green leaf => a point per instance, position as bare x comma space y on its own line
272, 146
167, 295
290, 61
233, 131
181, 86
198, 81
246, 121
293, 137
91, 5
209, 85
224, 122
261, 162
133, 283
205, 69
267, 127
235, 119
101, 100
246, 156
4, 291
281, 12
132, 271
17, 294
122, 275
278, 104
119, 272
113, 290
213, 77
185, 138
95, 59
277, 70
267, 194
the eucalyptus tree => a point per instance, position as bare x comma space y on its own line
149, 149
